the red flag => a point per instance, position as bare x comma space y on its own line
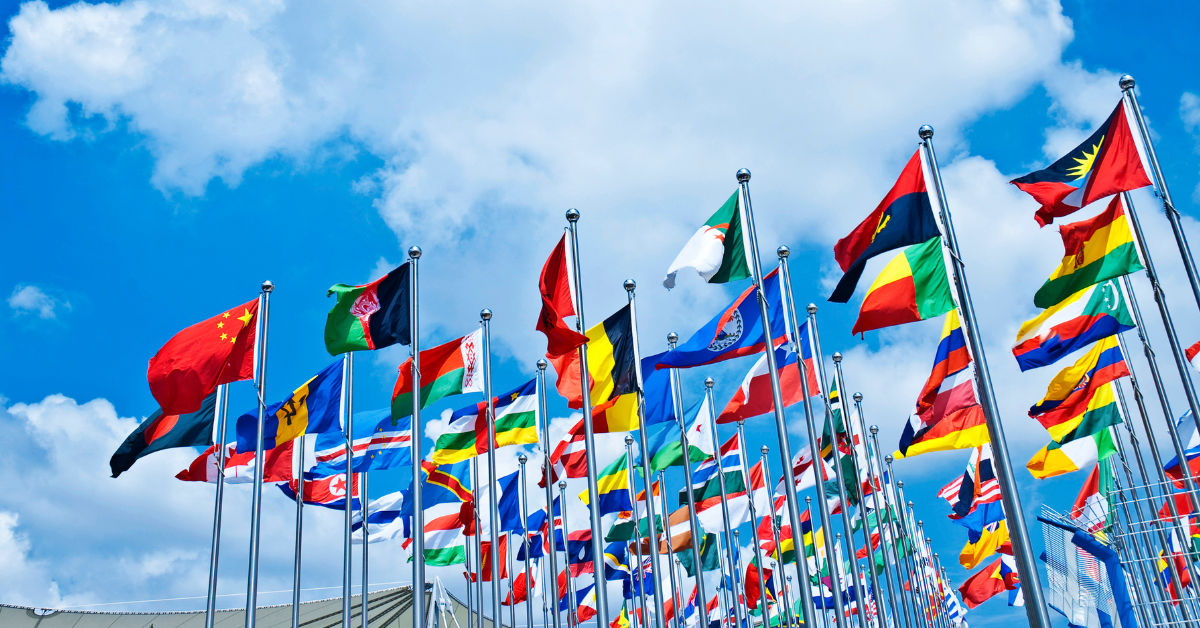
569, 458
753, 586
198, 359
487, 559
555, 286
519, 590
988, 582
239, 468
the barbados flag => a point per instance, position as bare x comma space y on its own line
1092, 314
313, 408
613, 485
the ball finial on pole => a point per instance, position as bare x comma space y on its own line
743, 175
888, 458
858, 397
837, 357
562, 485
572, 215
925, 132
900, 483
414, 252
812, 308
783, 251
522, 458
874, 429
485, 314
1127, 82
630, 285
542, 364
628, 439
268, 286
708, 382
672, 337
765, 450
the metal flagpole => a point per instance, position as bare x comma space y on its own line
1160, 183
919, 570
299, 450
647, 476
941, 594
693, 520
676, 610
889, 544
470, 602
522, 459
544, 420
363, 499
1141, 555
418, 544
476, 483
750, 241
219, 450
264, 311
348, 515
485, 318
778, 533
512, 608
848, 422
907, 543
880, 512
1031, 582
712, 422
758, 555
572, 610
641, 580
675, 567
588, 432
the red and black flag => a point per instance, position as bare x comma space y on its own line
373, 316
1104, 164
196, 360
904, 217
161, 432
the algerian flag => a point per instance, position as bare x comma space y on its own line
716, 251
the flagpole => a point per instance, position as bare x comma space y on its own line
298, 450
1031, 582
750, 241
941, 594
712, 422
676, 610
907, 544
647, 476
364, 503
876, 486
762, 572
641, 581
544, 419
693, 518
589, 433
345, 408
485, 319
884, 540
477, 482
1141, 556
264, 311
214, 555
522, 459
512, 608
572, 605
932, 559
419, 614
919, 570
775, 529
471, 610
837, 459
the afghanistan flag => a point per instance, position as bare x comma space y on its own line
912, 287
1105, 163
159, 432
466, 435
903, 217
611, 368
449, 369
313, 408
1092, 314
1096, 249
716, 251
373, 316
196, 360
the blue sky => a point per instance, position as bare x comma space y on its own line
162, 159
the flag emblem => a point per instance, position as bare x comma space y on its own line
728, 334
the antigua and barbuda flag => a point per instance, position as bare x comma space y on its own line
716, 251
1108, 162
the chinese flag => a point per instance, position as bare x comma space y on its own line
198, 359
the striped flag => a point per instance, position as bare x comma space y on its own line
466, 434
378, 444
612, 483
569, 459
450, 369
444, 540
1092, 314
754, 397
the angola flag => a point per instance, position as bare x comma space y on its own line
1095, 250
716, 250
159, 432
466, 434
610, 363
912, 287
449, 369
373, 316
196, 360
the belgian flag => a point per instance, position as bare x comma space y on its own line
159, 432
611, 367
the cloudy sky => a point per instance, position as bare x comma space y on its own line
162, 158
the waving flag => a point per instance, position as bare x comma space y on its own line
558, 301
1091, 509
1092, 314
611, 368
669, 453
196, 360
990, 581
804, 472
707, 489
984, 543
466, 434
384, 521
159, 432
737, 331
755, 396
239, 468
612, 483
449, 369
1078, 389
373, 316
1078, 450
569, 459
313, 408
1172, 468
912, 287
977, 501
716, 251
378, 444
329, 491
1096, 249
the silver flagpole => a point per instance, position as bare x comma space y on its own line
693, 520
471, 610
512, 608
676, 610
760, 568
848, 422
589, 433
648, 477
418, 544
712, 422
641, 580
477, 480
572, 607
888, 544
1160, 183
941, 595
876, 486
547, 474
219, 450
750, 240
522, 459
264, 311
908, 545
814, 443
676, 568
485, 318
364, 501
299, 451
347, 567
775, 526
1031, 581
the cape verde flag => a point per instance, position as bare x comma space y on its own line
735, 332
377, 444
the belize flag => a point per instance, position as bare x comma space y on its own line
735, 332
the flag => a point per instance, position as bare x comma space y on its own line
569, 459
735, 332
612, 483
373, 316
622, 620
450, 369
1191, 353
948, 414
328, 491
753, 585
988, 582
378, 444
1092, 314
448, 477
976, 487
1105, 163
196, 360
611, 368
616, 561
903, 217
558, 301
624, 528
519, 590
619, 414
716, 251
508, 505
804, 472
700, 443
679, 533
580, 553
239, 468
707, 489
313, 408
489, 556
384, 521
1073, 391
537, 538
912, 287
985, 543
1172, 468
1096, 249
445, 543
159, 432
755, 396
466, 433
587, 604
1091, 509
1075, 452
656, 392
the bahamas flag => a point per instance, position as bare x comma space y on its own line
1094, 313
613, 485
313, 408
466, 435
1071, 390
1096, 249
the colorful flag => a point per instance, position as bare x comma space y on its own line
1192, 453
373, 316
489, 556
735, 332
656, 391
948, 414
1092, 314
313, 408
159, 432
612, 483
328, 491
444, 540
569, 459
716, 251
378, 444
449, 369
558, 301
977, 485
707, 489
239, 468
912, 287
804, 472
699, 438
624, 529
518, 590
196, 360
1191, 353
1091, 509
622, 620
1073, 389
1075, 452
619, 414
610, 356
1096, 249
384, 521
755, 396
990, 581
679, 533
587, 603
1105, 163
466, 433
987, 542
903, 217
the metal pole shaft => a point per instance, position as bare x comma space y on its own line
636, 519
758, 555
544, 421
676, 609
888, 540
348, 515
264, 311
855, 572
477, 483
572, 610
512, 608
1031, 583
493, 507
881, 512
471, 611
712, 418
418, 545
775, 530
1140, 555
693, 520
299, 452
910, 547
219, 451
363, 500
525, 540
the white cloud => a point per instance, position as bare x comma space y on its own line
27, 299
1189, 112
